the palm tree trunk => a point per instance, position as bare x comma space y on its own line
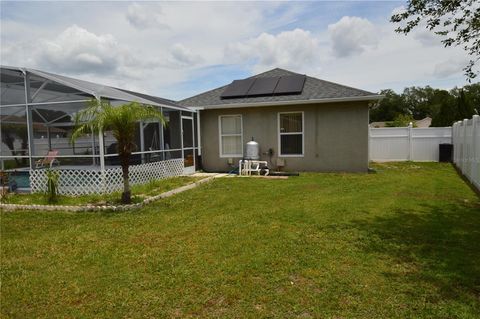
126, 195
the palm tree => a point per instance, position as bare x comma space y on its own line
122, 120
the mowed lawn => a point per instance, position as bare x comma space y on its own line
401, 243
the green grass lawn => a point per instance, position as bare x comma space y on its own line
400, 243
139, 192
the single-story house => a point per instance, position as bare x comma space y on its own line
300, 122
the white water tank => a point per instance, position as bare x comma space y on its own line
252, 151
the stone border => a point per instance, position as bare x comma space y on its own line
94, 208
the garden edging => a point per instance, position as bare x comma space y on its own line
93, 208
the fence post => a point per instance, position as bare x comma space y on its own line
410, 148
474, 161
456, 149
457, 139
465, 153
368, 144
455, 142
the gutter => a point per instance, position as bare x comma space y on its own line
375, 97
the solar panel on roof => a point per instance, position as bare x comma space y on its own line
237, 88
290, 84
277, 85
263, 86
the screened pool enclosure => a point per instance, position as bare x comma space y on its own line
36, 121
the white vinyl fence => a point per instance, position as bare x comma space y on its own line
466, 148
407, 143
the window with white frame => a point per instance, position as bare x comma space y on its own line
290, 125
231, 132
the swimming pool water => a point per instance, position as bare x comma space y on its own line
21, 178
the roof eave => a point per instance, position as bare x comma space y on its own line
372, 98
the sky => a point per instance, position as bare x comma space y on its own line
179, 49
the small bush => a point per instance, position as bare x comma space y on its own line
52, 185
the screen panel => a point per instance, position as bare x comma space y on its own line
263, 86
290, 84
237, 88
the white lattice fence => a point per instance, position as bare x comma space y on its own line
84, 181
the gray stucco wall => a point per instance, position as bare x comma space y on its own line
336, 136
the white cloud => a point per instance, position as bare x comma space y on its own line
421, 33
296, 49
426, 37
78, 50
183, 56
449, 67
89, 59
352, 35
170, 49
396, 62
142, 17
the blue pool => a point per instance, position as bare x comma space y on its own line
22, 178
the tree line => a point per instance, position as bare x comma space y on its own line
415, 103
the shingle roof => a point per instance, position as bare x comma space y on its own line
314, 89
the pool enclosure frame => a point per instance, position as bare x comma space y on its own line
36, 114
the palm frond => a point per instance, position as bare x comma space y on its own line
122, 120
89, 120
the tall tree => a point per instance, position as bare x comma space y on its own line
472, 92
465, 109
441, 105
448, 111
389, 107
418, 101
456, 21
122, 121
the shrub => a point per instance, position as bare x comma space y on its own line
52, 185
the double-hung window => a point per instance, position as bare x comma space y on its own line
290, 126
231, 132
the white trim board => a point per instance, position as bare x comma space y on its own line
293, 102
